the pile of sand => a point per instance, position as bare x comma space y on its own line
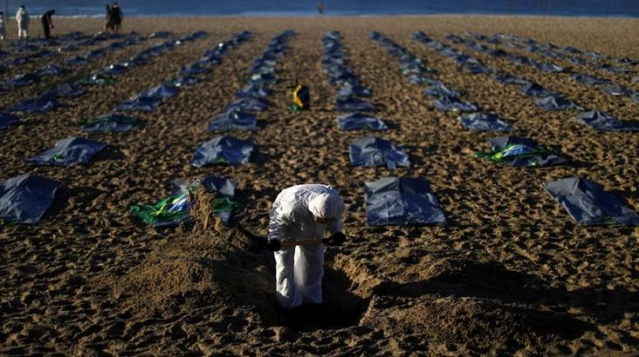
194, 270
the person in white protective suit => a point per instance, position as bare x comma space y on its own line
22, 18
300, 217
2, 26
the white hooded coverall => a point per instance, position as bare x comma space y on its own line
22, 17
300, 269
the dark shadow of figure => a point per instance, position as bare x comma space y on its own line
254, 264
248, 273
340, 308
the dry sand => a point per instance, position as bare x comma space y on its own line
511, 275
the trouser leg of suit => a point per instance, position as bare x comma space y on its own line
309, 271
287, 290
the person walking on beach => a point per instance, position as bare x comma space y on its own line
47, 23
299, 218
108, 27
116, 17
320, 7
2, 26
22, 18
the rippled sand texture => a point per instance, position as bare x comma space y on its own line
511, 274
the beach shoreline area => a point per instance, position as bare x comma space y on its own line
589, 33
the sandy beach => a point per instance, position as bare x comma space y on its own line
511, 274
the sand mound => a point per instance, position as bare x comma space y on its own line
461, 301
196, 270
486, 323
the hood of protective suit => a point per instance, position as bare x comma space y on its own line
296, 209
324, 206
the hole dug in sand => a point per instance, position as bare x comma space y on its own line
214, 274
346, 288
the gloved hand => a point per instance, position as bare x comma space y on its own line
273, 245
336, 239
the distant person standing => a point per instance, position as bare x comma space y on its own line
47, 23
108, 25
22, 18
2, 26
116, 17
320, 7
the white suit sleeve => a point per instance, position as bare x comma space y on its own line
279, 225
336, 225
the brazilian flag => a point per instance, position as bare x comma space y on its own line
301, 98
